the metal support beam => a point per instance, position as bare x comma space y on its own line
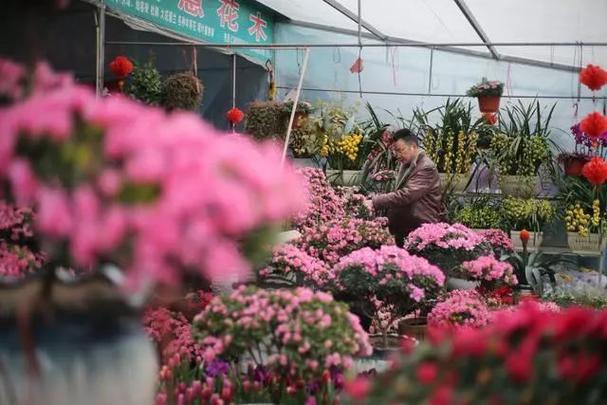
393, 42
453, 95
100, 51
352, 16
477, 27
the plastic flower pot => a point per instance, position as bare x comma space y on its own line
344, 177
573, 165
84, 341
518, 186
535, 239
457, 182
489, 104
589, 243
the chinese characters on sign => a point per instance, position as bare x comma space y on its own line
257, 29
228, 14
192, 7
213, 21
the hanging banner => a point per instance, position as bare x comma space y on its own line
213, 21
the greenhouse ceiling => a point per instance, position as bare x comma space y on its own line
522, 30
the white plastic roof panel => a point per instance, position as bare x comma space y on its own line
441, 21
545, 21
314, 11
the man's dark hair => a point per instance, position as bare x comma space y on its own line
406, 135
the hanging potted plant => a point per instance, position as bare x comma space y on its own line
302, 111
452, 143
488, 94
120, 187
521, 148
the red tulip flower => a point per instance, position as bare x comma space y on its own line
121, 66
594, 77
235, 116
594, 124
524, 235
595, 171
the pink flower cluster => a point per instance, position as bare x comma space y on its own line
14, 78
290, 260
374, 262
444, 236
16, 256
460, 308
488, 268
324, 204
109, 174
334, 239
303, 333
498, 240
384, 176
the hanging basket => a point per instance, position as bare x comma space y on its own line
489, 104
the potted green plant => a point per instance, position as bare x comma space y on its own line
264, 120
478, 213
341, 141
521, 147
452, 142
583, 202
488, 94
527, 214
145, 84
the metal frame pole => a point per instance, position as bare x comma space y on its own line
292, 117
233, 80
100, 54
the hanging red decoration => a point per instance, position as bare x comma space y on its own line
594, 124
490, 118
235, 116
595, 171
121, 66
357, 66
594, 77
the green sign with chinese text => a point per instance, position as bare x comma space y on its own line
213, 21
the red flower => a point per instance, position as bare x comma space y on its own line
358, 388
524, 235
595, 171
426, 372
491, 118
519, 366
594, 125
594, 77
121, 66
235, 116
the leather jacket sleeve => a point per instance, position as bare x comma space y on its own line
413, 190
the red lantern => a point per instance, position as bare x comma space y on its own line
594, 124
594, 77
235, 116
121, 66
595, 171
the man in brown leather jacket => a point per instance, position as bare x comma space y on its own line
418, 196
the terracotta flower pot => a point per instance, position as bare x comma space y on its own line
489, 104
414, 327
